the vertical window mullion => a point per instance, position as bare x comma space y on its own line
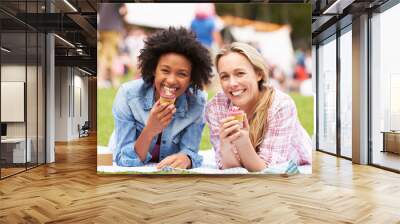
317, 97
37, 89
26, 87
369, 100
338, 73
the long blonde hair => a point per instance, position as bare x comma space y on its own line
258, 124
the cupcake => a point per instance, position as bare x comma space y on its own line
167, 97
237, 113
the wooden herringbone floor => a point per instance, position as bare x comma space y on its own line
70, 191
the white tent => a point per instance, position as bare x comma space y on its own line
275, 46
157, 15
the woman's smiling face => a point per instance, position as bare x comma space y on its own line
172, 74
239, 80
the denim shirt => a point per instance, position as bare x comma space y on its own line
131, 110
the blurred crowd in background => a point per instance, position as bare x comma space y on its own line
123, 29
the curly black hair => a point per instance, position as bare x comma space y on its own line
180, 41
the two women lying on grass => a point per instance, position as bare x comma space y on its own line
160, 118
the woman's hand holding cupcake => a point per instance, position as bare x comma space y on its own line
242, 137
236, 147
234, 134
232, 125
229, 130
234, 129
160, 117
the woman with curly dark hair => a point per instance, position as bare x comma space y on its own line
160, 117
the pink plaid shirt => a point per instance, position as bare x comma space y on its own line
284, 140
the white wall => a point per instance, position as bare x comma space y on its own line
71, 93
61, 103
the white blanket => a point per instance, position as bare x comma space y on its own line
208, 167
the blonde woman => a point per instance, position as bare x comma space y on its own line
270, 132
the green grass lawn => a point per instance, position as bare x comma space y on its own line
105, 120
305, 111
